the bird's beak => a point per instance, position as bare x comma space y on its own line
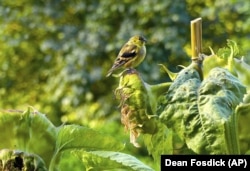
143, 39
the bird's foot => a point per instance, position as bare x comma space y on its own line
131, 71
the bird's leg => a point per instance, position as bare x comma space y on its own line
131, 70
128, 71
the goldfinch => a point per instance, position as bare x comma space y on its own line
130, 55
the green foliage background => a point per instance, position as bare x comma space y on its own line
54, 54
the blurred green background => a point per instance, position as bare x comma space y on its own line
54, 54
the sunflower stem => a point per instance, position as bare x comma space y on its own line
196, 37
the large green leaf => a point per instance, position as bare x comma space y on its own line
243, 111
180, 102
79, 137
27, 131
202, 114
107, 160
219, 94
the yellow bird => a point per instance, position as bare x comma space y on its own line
130, 55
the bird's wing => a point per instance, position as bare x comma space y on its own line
129, 51
126, 54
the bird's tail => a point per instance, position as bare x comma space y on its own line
110, 72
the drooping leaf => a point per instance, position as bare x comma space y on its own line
137, 105
202, 114
219, 94
180, 102
108, 160
160, 142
